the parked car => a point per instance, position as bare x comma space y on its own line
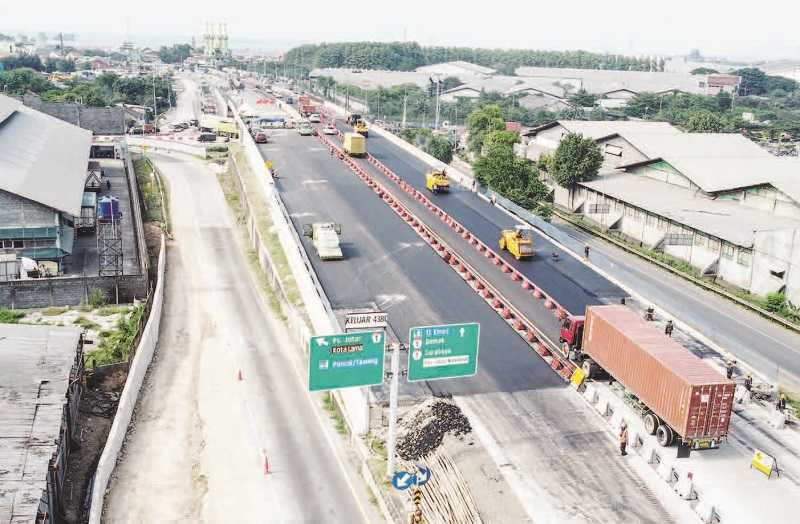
261, 137
207, 137
136, 131
314, 117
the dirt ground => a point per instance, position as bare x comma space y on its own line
98, 405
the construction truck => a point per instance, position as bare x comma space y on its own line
361, 128
436, 180
518, 241
354, 144
325, 238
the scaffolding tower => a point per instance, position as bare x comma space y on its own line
109, 248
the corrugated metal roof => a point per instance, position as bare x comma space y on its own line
43, 159
721, 218
35, 365
602, 81
713, 161
7, 106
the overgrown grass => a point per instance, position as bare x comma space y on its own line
111, 310
115, 346
151, 186
329, 404
54, 311
264, 225
10, 316
85, 323
229, 189
96, 298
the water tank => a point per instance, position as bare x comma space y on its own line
108, 209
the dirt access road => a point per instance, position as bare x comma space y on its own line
195, 451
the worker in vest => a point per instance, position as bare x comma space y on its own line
623, 438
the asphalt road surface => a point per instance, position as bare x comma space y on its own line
556, 453
769, 348
196, 449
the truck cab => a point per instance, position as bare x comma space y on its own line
571, 332
436, 180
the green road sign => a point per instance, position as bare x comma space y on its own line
446, 351
346, 360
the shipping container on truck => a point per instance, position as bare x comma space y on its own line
681, 397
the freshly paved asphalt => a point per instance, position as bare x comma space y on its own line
559, 451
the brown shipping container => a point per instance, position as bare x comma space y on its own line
685, 392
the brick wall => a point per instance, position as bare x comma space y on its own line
98, 120
16, 211
70, 291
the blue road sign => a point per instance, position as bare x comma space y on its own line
423, 475
403, 480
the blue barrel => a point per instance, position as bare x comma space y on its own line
108, 209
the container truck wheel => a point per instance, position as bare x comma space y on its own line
665, 435
651, 423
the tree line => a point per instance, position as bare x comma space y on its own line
406, 56
106, 90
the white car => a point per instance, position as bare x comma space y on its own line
314, 117
329, 130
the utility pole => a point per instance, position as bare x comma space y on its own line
393, 393
438, 88
155, 107
405, 104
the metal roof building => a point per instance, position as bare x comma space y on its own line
41, 369
42, 158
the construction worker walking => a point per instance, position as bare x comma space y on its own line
729, 367
748, 382
668, 328
586, 251
623, 438
781, 404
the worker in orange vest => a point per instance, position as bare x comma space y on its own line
623, 439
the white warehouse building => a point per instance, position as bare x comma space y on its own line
716, 201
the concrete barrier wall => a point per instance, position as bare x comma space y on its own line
130, 394
354, 401
153, 145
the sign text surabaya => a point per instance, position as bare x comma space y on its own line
445, 351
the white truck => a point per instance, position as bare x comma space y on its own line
325, 238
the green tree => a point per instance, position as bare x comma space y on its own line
753, 81
175, 54
482, 121
514, 177
441, 148
500, 138
703, 71
582, 98
643, 105
575, 159
21, 81
703, 122
724, 100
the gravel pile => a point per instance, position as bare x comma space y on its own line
422, 429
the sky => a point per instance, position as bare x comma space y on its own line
731, 28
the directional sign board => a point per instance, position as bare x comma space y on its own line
446, 351
346, 360
366, 320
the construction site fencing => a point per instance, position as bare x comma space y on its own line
130, 394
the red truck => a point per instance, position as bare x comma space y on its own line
681, 398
